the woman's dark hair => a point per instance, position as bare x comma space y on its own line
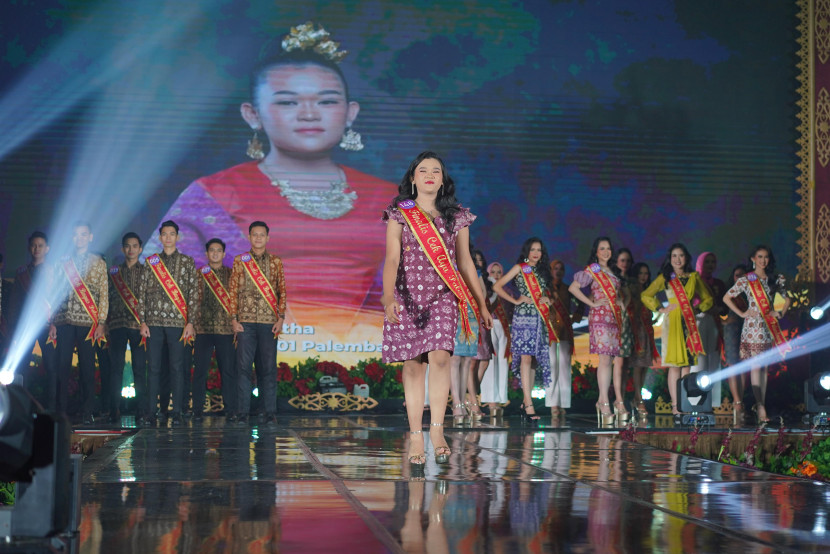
273, 56
666, 268
543, 265
629, 275
731, 280
635, 272
612, 263
474, 253
445, 202
770, 270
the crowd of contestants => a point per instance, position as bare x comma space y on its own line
526, 314
728, 320
174, 317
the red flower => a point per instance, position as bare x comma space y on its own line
629, 385
302, 387
399, 376
375, 372
330, 368
284, 373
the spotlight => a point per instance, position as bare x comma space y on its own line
34, 453
696, 385
817, 398
817, 312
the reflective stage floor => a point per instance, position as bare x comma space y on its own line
341, 484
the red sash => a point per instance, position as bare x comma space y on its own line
25, 279
127, 296
608, 288
693, 341
536, 294
565, 316
498, 310
84, 296
436, 252
173, 291
765, 307
217, 288
261, 282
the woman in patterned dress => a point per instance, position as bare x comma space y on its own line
755, 337
623, 261
420, 310
603, 329
528, 333
645, 351
676, 354
733, 326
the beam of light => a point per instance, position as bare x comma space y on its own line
116, 167
100, 50
818, 311
812, 341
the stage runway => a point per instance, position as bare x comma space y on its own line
341, 484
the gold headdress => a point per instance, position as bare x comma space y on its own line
303, 37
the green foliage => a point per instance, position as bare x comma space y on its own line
6, 494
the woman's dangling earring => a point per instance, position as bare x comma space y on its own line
753, 264
255, 151
351, 140
413, 188
526, 260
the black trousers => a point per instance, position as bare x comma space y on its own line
256, 342
49, 358
119, 338
69, 338
204, 348
166, 339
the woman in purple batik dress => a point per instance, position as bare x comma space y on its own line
607, 305
421, 312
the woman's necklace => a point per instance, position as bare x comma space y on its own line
318, 203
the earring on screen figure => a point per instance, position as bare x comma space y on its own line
351, 140
255, 151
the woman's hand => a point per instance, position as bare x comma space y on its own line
391, 309
668, 309
545, 300
600, 303
750, 313
523, 300
486, 318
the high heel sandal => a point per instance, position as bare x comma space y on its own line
642, 413
442, 453
620, 413
603, 418
737, 412
417, 461
458, 419
474, 415
757, 409
554, 413
676, 414
526, 417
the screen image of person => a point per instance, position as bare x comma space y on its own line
323, 215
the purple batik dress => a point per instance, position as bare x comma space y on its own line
430, 310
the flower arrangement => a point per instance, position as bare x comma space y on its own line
384, 380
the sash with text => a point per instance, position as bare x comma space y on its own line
171, 288
84, 296
127, 296
693, 341
765, 307
436, 252
536, 295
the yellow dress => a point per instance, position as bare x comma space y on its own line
675, 349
